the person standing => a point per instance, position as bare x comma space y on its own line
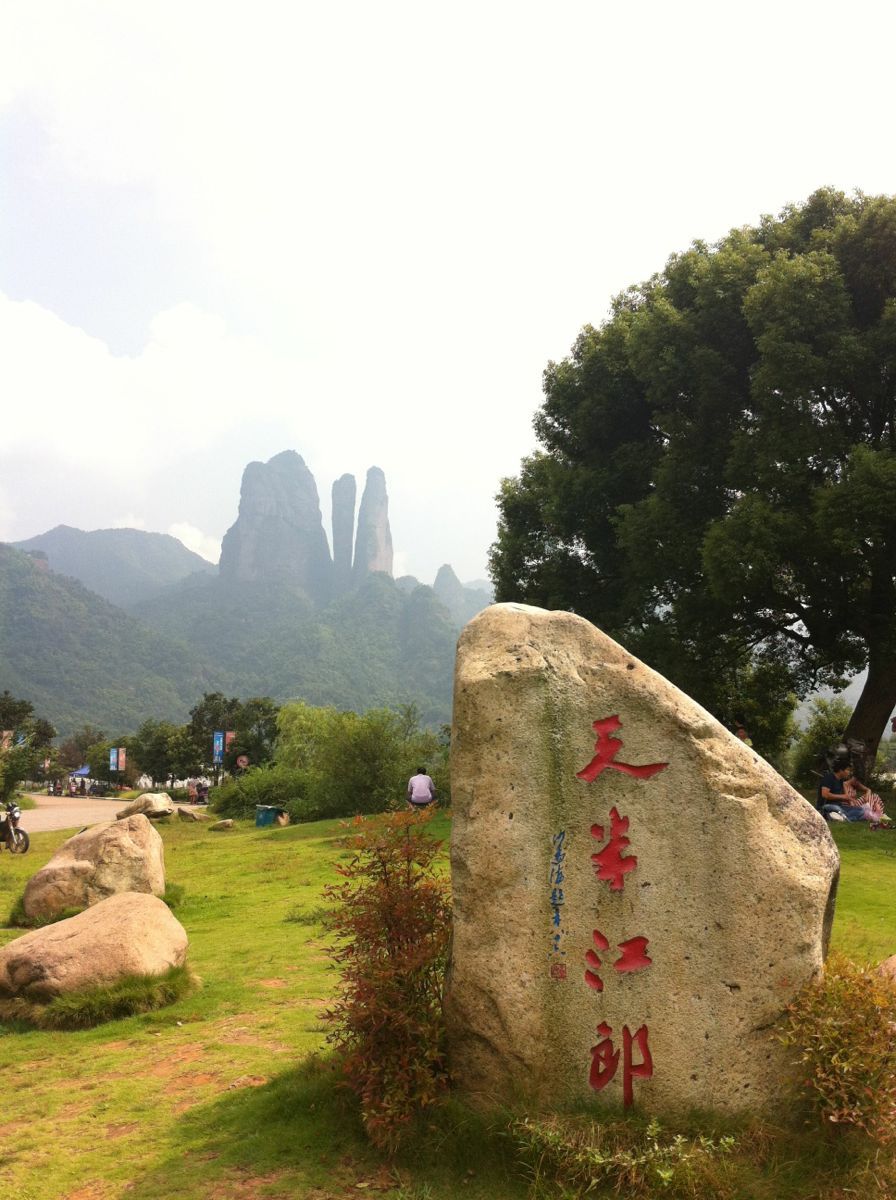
421, 789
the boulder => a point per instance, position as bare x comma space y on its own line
129, 934
192, 814
153, 804
888, 968
115, 856
220, 826
637, 895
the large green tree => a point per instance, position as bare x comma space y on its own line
718, 469
253, 723
24, 743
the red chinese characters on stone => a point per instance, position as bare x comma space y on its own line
605, 1060
610, 864
632, 958
592, 978
607, 747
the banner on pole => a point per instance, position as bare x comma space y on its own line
122, 757
228, 738
218, 746
113, 759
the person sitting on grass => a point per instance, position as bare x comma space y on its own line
860, 795
832, 794
421, 789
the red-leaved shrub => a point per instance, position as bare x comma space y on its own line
392, 918
842, 1028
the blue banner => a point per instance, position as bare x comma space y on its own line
218, 746
113, 760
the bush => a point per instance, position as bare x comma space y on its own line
280, 786
841, 1028
392, 920
359, 763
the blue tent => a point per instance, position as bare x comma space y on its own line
81, 771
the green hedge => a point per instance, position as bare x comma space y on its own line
283, 787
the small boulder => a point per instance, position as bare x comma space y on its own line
101, 861
128, 934
219, 826
192, 814
152, 804
888, 968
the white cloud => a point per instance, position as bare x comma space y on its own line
128, 521
194, 539
154, 428
417, 205
190, 382
400, 563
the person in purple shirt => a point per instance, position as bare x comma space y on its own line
421, 789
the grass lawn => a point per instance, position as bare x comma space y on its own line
224, 1094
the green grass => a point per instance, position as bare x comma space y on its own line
19, 919
96, 1005
228, 1092
865, 926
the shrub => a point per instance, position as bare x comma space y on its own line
280, 786
359, 763
391, 916
841, 1027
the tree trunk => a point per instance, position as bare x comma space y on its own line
871, 713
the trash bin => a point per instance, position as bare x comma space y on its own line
266, 814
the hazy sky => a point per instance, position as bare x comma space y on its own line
360, 230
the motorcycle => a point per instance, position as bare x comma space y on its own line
14, 839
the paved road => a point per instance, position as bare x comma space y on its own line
63, 812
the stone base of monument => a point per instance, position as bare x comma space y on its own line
637, 894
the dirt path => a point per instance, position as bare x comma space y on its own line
63, 812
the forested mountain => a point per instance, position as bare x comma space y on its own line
125, 566
376, 645
79, 659
282, 618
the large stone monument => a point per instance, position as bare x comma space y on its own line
637, 894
